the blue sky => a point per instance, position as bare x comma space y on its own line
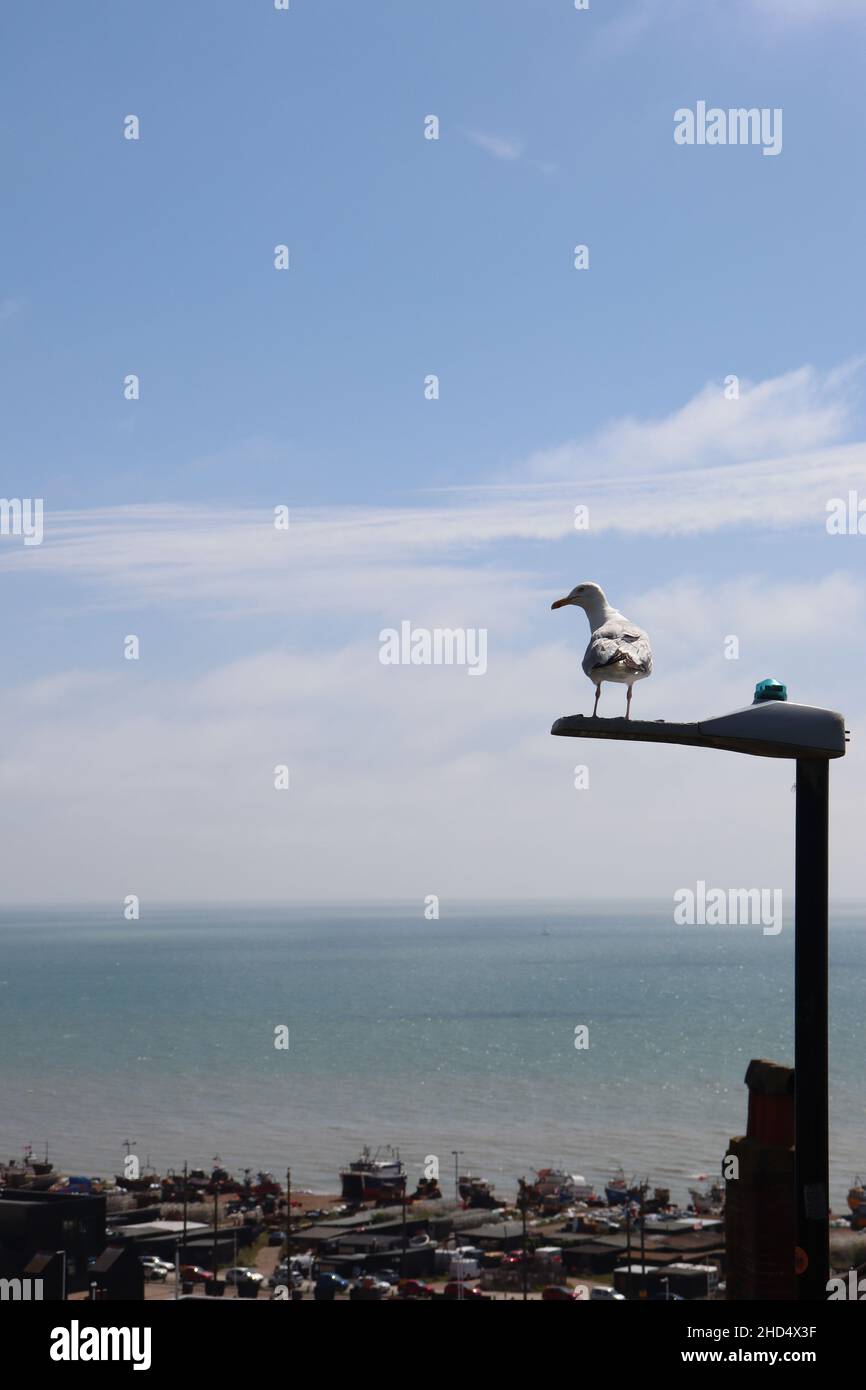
557, 387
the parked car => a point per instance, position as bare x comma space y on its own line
329, 1285
194, 1274
452, 1290
606, 1295
240, 1274
276, 1238
154, 1273
414, 1288
559, 1293
388, 1276
370, 1289
154, 1262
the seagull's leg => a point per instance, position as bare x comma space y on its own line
595, 706
628, 702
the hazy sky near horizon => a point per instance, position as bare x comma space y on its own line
603, 387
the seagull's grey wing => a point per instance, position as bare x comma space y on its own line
619, 642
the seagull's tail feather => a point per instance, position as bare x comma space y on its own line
623, 658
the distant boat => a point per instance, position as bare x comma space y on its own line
708, 1201
856, 1195
427, 1190
618, 1191
39, 1166
371, 1179
30, 1173
16, 1175
476, 1192
555, 1188
141, 1184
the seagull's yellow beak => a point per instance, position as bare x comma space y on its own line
560, 602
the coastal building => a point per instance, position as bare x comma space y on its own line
586, 1254
494, 1235
42, 1223
118, 1274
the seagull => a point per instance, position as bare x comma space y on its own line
618, 650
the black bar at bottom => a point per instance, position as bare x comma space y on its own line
812, 1162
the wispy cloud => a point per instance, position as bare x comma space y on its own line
808, 11
628, 26
497, 145
639, 20
799, 411
407, 781
770, 460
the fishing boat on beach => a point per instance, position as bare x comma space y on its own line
29, 1173
554, 1189
476, 1192
19, 1175
40, 1167
708, 1201
856, 1194
374, 1179
618, 1191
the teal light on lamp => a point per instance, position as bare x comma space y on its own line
769, 690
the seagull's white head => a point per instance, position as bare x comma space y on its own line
587, 596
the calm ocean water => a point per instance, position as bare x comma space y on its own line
430, 1036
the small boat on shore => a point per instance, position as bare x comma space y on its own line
18, 1176
374, 1179
555, 1189
856, 1194
618, 1191
427, 1190
30, 1173
476, 1192
708, 1201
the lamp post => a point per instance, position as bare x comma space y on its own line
216, 1221
523, 1202
628, 1284
772, 728
185, 1180
456, 1154
289, 1224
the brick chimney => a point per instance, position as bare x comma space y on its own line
760, 1216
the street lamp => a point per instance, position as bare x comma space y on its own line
773, 728
456, 1154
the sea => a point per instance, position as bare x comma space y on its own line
498, 1039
